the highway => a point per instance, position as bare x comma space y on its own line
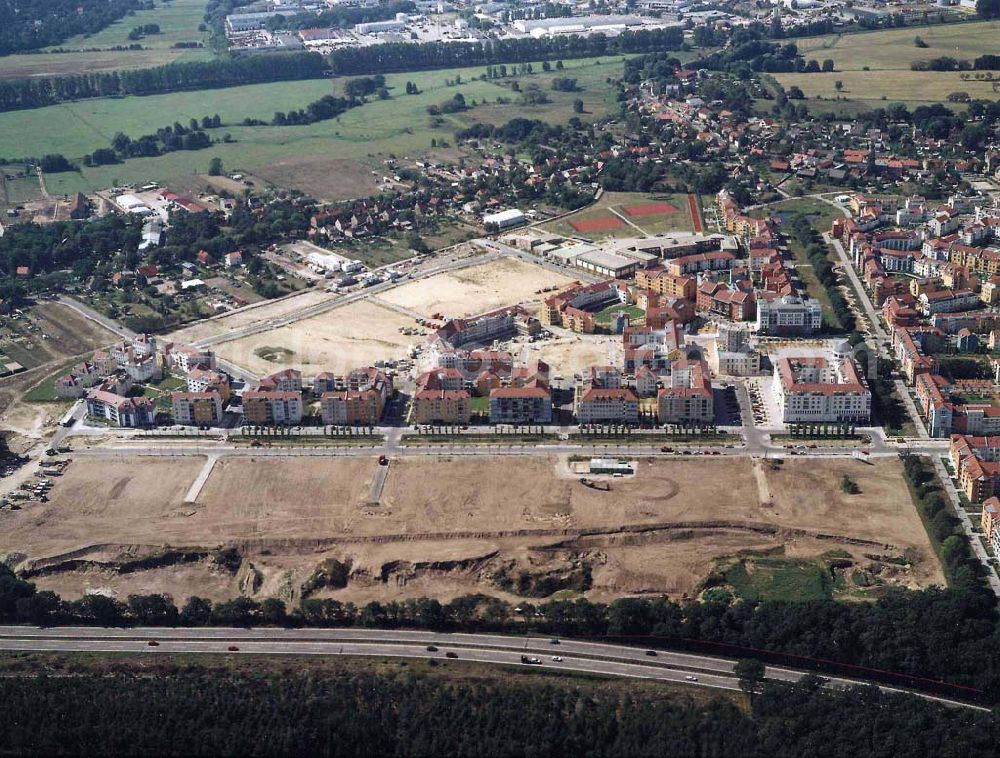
576, 656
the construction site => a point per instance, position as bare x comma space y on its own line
362, 528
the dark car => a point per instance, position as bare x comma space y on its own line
652, 653
153, 643
450, 654
431, 649
233, 649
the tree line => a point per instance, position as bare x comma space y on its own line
948, 63
340, 17
31, 24
933, 634
801, 229
324, 109
203, 710
174, 77
406, 56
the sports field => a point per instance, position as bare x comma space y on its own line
597, 224
359, 140
874, 67
178, 21
627, 214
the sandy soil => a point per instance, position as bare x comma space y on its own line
476, 289
444, 526
251, 315
140, 500
355, 335
573, 353
807, 493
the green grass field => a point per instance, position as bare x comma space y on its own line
178, 20
894, 49
312, 156
779, 579
887, 55
635, 313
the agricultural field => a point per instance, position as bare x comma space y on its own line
80, 127
339, 340
627, 214
447, 526
874, 67
178, 21
476, 289
314, 158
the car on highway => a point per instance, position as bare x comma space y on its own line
431, 649
553, 642
652, 653
233, 649
450, 654
557, 658
153, 643
691, 678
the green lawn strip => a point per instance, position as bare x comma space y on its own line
779, 579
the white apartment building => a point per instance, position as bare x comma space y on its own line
821, 390
788, 315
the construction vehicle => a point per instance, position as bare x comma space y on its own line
383, 460
594, 485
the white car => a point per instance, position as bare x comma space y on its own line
557, 658
691, 678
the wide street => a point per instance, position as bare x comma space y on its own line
576, 656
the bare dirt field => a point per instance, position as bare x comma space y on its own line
805, 492
133, 501
327, 179
477, 289
572, 353
339, 340
251, 315
449, 526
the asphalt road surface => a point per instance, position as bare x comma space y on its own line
577, 656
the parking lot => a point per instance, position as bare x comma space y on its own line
727, 407
766, 412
